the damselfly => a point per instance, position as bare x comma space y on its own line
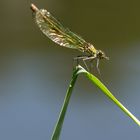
54, 30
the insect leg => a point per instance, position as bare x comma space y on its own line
97, 66
84, 61
79, 58
91, 58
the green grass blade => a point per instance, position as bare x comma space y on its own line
58, 127
105, 90
97, 82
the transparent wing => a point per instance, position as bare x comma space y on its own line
56, 32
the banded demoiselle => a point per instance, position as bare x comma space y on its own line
54, 30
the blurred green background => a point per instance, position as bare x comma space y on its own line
35, 72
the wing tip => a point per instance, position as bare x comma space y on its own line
33, 7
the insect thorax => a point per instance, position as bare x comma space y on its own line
90, 49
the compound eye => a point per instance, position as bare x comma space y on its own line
100, 53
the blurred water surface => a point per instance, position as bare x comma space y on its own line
35, 72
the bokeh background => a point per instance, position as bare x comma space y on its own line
35, 72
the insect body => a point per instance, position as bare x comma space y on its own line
54, 30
